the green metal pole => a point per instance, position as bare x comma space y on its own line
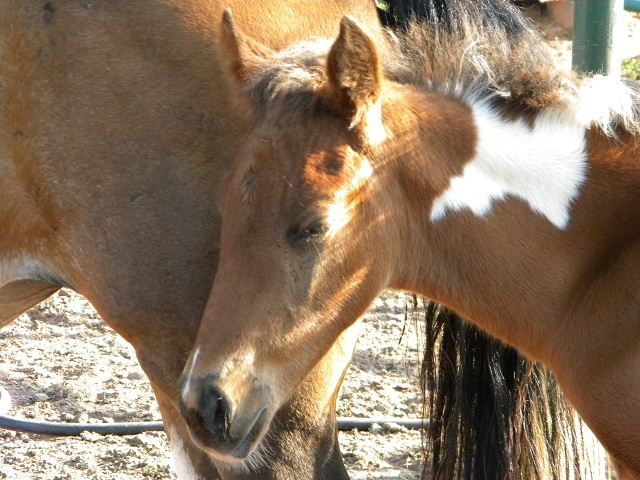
594, 32
632, 5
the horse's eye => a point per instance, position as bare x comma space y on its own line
306, 232
312, 231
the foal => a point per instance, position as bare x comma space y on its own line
460, 166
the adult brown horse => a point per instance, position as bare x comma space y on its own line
461, 165
116, 128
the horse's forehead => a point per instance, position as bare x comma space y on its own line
300, 146
327, 170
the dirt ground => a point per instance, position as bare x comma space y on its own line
61, 363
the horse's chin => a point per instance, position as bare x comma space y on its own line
233, 465
240, 449
226, 458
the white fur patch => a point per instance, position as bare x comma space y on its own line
371, 122
604, 101
181, 461
544, 165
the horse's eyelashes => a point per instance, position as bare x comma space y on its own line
306, 232
313, 231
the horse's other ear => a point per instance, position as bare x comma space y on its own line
238, 53
355, 75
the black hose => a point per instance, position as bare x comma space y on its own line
134, 428
349, 423
69, 429
75, 429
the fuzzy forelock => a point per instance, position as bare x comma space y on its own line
291, 78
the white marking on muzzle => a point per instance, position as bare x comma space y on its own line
187, 386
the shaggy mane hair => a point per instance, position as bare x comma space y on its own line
476, 50
486, 50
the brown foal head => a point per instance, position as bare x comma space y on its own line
298, 206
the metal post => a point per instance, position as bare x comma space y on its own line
632, 5
594, 33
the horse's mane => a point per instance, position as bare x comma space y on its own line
476, 50
486, 50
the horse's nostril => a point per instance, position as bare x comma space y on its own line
208, 414
213, 409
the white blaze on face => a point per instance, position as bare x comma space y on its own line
544, 165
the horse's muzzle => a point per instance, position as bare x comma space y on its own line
226, 432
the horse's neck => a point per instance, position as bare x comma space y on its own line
543, 164
513, 237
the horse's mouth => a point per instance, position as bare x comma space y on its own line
234, 448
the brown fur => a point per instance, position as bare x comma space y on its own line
116, 127
568, 298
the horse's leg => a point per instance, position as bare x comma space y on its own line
162, 344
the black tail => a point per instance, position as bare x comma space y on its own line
494, 414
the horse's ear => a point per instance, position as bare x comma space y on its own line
355, 75
239, 54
